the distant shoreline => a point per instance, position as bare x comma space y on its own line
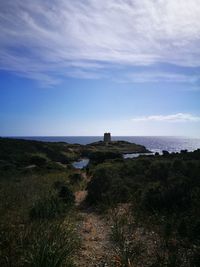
153, 143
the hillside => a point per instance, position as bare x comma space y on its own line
116, 212
17, 153
121, 147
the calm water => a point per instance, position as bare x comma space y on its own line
80, 164
153, 143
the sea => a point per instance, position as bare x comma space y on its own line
152, 143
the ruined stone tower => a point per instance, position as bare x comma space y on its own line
107, 137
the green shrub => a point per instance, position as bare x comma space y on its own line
47, 208
38, 160
75, 178
100, 156
66, 195
55, 166
165, 153
99, 185
159, 197
158, 171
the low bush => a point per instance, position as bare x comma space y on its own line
47, 208
75, 178
99, 188
107, 186
101, 156
38, 160
55, 166
165, 193
64, 193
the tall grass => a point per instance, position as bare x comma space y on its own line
40, 244
34, 222
128, 250
47, 208
53, 245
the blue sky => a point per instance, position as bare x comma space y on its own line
131, 67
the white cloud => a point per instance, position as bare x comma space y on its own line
153, 76
84, 74
49, 37
179, 117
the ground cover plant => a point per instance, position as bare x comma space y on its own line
37, 225
165, 196
153, 203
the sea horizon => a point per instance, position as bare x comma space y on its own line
177, 136
152, 143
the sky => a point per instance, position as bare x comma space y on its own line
83, 67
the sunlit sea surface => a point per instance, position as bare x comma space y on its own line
153, 143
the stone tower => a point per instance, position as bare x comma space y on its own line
107, 138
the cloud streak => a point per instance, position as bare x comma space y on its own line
179, 117
50, 38
154, 77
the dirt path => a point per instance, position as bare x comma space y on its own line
96, 249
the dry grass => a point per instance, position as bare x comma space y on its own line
25, 242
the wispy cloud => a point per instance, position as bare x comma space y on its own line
155, 76
49, 37
84, 74
179, 117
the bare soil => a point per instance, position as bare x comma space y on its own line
94, 230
